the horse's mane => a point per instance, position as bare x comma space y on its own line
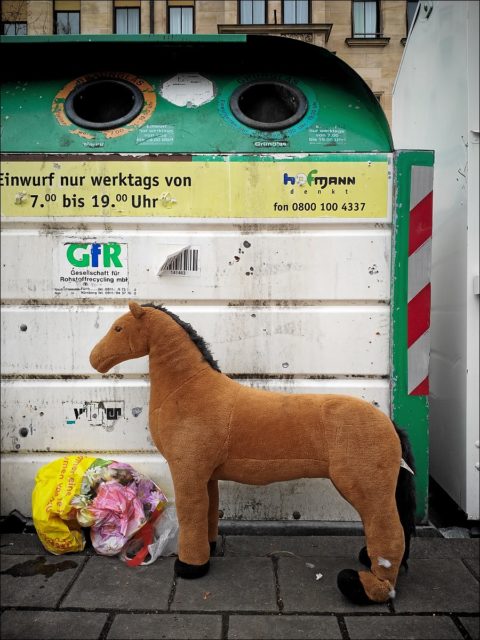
198, 341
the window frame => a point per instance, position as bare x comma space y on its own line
378, 17
55, 21
181, 7
239, 13
115, 13
309, 10
16, 23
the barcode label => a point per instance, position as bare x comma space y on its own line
183, 263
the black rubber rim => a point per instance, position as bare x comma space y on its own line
71, 104
297, 97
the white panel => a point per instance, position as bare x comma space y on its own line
340, 340
313, 499
435, 106
71, 415
332, 264
18, 476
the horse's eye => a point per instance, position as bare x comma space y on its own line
118, 328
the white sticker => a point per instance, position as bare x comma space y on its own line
188, 90
331, 135
88, 268
156, 134
181, 262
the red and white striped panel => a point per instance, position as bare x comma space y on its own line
419, 261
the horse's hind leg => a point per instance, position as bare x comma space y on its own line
372, 494
212, 514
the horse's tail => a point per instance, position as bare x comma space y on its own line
405, 493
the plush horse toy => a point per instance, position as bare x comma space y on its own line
210, 428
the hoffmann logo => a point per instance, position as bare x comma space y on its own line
311, 178
95, 254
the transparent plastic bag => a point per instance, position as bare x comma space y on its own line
159, 537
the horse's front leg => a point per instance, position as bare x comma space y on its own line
191, 497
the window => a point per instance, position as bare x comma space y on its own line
14, 28
366, 19
67, 22
295, 12
253, 11
411, 8
127, 20
180, 19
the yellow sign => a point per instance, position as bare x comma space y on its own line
187, 189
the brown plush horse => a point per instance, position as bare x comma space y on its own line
210, 428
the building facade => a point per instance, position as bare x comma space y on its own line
368, 35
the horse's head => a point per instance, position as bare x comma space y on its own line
127, 338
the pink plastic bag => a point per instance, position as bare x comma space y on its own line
116, 501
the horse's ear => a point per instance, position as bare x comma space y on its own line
136, 310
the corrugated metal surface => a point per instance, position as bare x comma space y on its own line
312, 316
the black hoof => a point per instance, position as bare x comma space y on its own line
190, 571
348, 581
213, 547
364, 558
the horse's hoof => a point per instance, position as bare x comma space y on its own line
364, 558
348, 581
213, 547
191, 571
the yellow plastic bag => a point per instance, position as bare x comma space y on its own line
53, 516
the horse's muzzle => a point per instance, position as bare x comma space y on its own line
97, 361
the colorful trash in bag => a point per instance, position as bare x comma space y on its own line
110, 497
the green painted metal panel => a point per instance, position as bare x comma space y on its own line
342, 115
409, 412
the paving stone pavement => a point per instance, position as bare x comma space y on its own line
259, 587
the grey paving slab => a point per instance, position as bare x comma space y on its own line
283, 627
21, 543
170, 626
301, 591
108, 583
37, 580
473, 565
402, 628
437, 585
328, 546
472, 625
45, 625
444, 548
232, 584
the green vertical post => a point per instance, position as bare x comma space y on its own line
409, 412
